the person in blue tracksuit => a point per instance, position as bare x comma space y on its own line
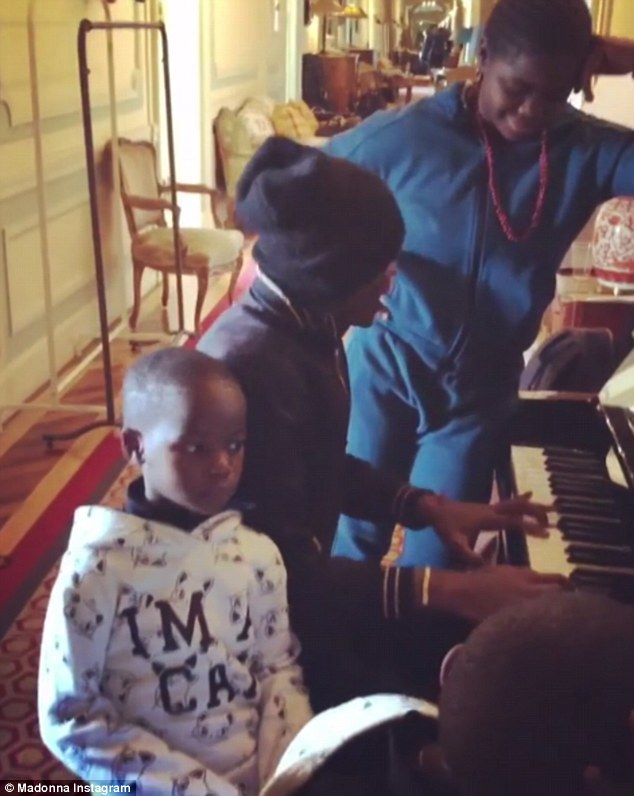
494, 180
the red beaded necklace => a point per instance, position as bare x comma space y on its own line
501, 214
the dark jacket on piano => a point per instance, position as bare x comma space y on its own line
298, 479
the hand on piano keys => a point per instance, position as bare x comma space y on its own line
482, 592
590, 538
459, 523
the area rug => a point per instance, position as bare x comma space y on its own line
23, 757
25, 587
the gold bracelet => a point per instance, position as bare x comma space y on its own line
426, 580
396, 593
385, 603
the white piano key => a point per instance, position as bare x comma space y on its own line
531, 474
545, 555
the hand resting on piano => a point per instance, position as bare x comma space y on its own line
480, 593
459, 523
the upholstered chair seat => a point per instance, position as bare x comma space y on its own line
215, 250
204, 252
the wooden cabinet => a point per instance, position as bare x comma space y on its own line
364, 54
340, 81
595, 310
330, 80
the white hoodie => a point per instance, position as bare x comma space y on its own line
167, 658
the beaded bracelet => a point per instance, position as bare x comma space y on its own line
425, 590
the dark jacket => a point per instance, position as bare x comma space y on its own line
298, 479
292, 368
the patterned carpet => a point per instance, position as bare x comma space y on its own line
22, 754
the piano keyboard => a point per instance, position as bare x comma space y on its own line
590, 529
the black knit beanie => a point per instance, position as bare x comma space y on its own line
325, 226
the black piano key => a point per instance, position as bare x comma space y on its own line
565, 488
596, 537
616, 585
587, 507
600, 557
607, 513
604, 496
572, 469
584, 523
570, 453
576, 457
602, 489
584, 502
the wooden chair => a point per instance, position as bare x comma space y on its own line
205, 253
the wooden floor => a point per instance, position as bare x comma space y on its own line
31, 474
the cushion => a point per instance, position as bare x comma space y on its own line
295, 120
262, 104
256, 122
214, 249
234, 146
239, 133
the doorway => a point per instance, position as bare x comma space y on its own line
294, 48
183, 23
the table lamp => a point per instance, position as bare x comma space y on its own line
325, 9
352, 13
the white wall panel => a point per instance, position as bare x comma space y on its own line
235, 41
68, 225
23, 352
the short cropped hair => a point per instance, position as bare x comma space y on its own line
539, 27
150, 380
541, 691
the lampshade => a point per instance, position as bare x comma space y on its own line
353, 11
326, 8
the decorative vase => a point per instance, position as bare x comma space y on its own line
613, 244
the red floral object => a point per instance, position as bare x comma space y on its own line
613, 244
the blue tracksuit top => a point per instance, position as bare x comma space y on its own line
466, 298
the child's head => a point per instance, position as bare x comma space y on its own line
531, 58
327, 229
540, 694
184, 420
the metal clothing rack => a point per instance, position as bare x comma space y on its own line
56, 385
86, 26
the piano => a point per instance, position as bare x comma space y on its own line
576, 452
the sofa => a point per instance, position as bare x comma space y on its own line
238, 133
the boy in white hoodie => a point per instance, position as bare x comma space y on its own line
167, 658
